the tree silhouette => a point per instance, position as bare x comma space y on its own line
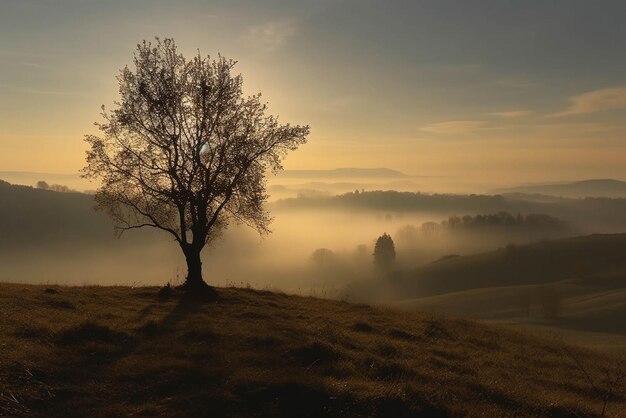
384, 252
184, 151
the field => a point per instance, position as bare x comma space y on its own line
120, 351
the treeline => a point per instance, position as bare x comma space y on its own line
61, 188
502, 219
483, 232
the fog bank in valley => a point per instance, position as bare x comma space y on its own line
70, 243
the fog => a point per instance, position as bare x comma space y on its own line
69, 243
240, 256
280, 260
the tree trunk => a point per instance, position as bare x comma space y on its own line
194, 283
194, 268
195, 287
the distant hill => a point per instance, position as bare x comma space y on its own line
120, 351
342, 173
31, 217
578, 189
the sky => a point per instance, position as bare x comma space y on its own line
513, 91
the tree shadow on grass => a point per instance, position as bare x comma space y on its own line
85, 354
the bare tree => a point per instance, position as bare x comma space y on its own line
184, 151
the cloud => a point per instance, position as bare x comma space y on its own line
595, 101
270, 36
454, 127
512, 113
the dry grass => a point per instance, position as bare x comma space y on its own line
116, 351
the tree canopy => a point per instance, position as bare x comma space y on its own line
384, 252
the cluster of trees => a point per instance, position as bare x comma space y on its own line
501, 221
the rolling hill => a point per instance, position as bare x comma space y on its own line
579, 189
119, 351
575, 285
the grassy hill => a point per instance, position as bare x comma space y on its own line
117, 351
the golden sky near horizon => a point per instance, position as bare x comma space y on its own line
497, 91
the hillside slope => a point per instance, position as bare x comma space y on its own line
122, 352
